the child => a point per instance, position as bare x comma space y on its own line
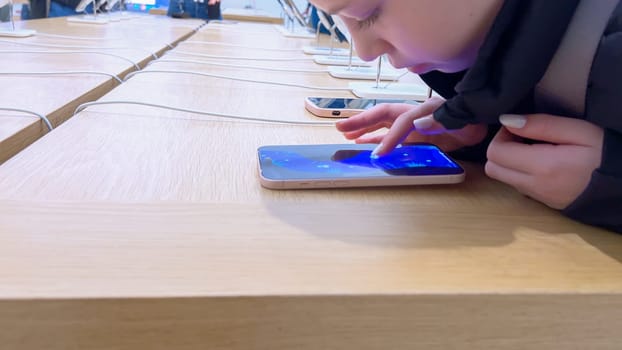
487, 58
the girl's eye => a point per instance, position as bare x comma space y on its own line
369, 21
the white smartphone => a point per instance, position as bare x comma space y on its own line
344, 107
351, 165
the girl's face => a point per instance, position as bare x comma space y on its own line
421, 35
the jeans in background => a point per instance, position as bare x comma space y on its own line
56, 10
192, 9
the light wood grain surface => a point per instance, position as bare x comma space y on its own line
298, 246
333, 322
250, 15
56, 96
137, 227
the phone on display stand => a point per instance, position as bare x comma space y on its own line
352, 165
329, 107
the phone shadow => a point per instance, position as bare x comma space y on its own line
407, 226
368, 218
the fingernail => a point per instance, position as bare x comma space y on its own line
374, 153
423, 123
515, 121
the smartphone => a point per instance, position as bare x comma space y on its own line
345, 107
352, 165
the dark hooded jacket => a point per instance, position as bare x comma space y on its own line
513, 58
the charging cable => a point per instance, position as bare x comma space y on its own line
201, 42
129, 75
75, 37
71, 53
270, 69
188, 53
86, 105
78, 47
66, 73
41, 116
85, 38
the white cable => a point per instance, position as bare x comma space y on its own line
230, 29
41, 116
79, 47
243, 58
396, 79
128, 76
240, 46
75, 37
69, 72
60, 46
85, 38
86, 105
293, 70
71, 52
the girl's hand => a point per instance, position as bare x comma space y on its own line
408, 123
555, 171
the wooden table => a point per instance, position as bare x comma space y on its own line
114, 49
133, 227
250, 15
158, 11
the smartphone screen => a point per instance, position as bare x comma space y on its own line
352, 103
407, 165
